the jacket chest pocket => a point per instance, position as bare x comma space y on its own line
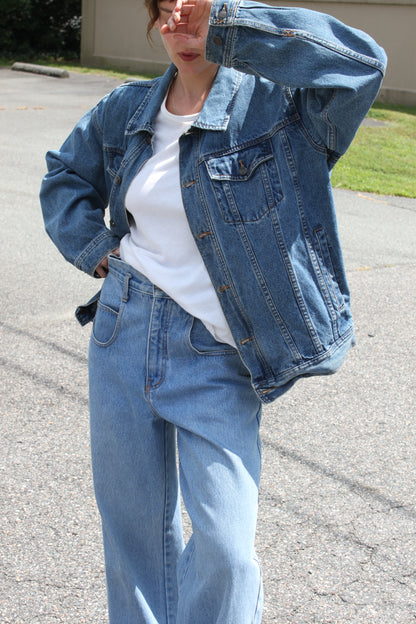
245, 182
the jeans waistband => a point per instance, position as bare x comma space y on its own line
121, 269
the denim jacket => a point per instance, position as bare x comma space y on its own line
292, 88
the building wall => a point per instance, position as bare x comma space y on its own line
114, 35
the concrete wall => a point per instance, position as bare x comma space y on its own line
114, 35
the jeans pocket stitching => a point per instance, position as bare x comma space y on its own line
103, 308
226, 350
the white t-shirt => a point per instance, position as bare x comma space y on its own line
160, 243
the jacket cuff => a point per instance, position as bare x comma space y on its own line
220, 38
96, 251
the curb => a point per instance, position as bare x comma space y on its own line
41, 69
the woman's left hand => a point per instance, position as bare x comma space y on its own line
190, 18
102, 268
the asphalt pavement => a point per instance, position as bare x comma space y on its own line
337, 520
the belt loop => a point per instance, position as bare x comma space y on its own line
126, 287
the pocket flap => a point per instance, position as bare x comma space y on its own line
239, 165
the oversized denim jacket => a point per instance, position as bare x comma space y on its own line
292, 89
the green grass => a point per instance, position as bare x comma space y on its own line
382, 159
111, 73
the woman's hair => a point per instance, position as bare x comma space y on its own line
153, 10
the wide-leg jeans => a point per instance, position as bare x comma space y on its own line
162, 388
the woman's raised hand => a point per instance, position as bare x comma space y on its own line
189, 17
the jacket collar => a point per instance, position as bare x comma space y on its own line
215, 114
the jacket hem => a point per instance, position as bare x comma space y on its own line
327, 363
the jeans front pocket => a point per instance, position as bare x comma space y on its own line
109, 312
203, 342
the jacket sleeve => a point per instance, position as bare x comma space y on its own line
74, 196
333, 71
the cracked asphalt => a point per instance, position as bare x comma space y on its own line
337, 520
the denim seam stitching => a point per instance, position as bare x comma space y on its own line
307, 37
224, 268
153, 386
116, 330
299, 298
266, 292
165, 540
293, 371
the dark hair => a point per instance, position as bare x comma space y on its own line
153, 10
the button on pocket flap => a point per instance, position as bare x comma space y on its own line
239, 165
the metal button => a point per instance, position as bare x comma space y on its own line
217, 40
118, 180
243, 169
112, 223
222, 289
246, 340
223, 13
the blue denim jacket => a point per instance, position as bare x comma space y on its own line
292, 89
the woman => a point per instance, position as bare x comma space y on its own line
225, 286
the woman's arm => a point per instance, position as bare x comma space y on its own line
334, 71
74, 197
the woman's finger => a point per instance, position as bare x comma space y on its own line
182, 27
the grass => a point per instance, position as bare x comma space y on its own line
381, 159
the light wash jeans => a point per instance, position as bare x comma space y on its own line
158, 378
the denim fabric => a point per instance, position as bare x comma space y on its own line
292, 89
156, 373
